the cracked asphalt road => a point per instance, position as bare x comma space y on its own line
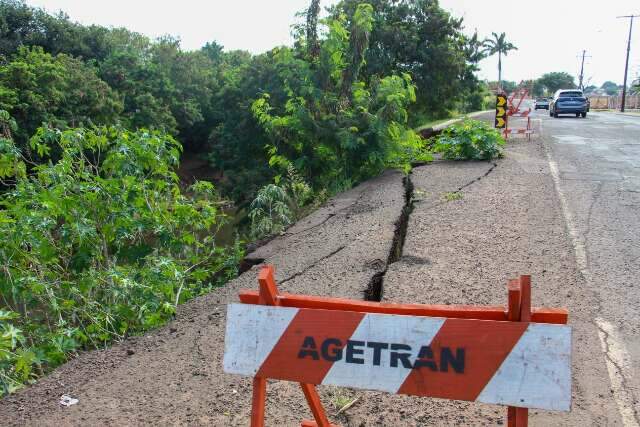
173, 375
563, 207
597, 174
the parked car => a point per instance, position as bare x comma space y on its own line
542, 103
569, 101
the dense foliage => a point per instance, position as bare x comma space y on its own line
422, 40
99, 244
61, 90
551, 82
64, 74
332, 127
101, 240
610, 88
469, 140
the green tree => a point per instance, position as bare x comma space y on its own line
499, 44
336, 136
236, 141
610, 88
164, 87
25, 26
99, 245
313, 43
507, 85
533, 86
21, 25
590, 89
556, 80
423, 40
37, 87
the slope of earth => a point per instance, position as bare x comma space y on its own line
505, 220
174, 375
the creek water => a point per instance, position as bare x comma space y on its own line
194, 167
234, 226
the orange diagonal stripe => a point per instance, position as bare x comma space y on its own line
485, 344
283, 362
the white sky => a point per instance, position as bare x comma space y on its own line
549, 34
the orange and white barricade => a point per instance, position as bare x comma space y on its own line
513, 355
514, 111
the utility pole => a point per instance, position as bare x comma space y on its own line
626, 64
580, 85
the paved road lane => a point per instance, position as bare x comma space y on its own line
596, 166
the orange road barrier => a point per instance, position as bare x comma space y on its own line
514, 102
515, 356
517, 96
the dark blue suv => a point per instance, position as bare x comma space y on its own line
569, 101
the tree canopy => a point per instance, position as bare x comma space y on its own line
498, 44
421, 39
64, 74
556, 80
610, 88
37, 87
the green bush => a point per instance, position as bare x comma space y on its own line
98, 245
333, 126
469, 140
270, 212
278, 205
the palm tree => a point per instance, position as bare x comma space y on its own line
498, 44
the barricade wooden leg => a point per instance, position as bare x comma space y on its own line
268, 287
513, 311
517, 417
311, 394
525, 299
268, 295
519, 310
257, 404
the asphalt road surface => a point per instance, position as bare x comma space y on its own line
595, 163
563, 207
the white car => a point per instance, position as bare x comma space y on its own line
542, 104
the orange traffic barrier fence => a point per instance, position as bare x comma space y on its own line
517, 356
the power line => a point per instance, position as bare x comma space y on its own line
626, 64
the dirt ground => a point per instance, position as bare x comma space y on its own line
507, 222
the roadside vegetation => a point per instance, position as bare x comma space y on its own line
98, 243
469, 140
453, 196
101, 240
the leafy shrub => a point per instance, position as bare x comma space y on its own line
98, 245
269, 211
334, 126
278, 205
469, 140
60, 90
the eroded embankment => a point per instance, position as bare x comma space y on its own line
422, 247
173, 375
